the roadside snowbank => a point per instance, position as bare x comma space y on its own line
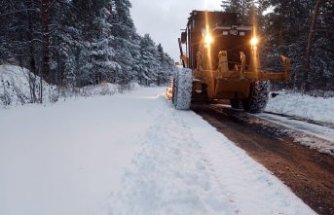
129, 154
303, 106
314, 136
15, 87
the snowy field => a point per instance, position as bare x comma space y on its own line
303, 106
128, 154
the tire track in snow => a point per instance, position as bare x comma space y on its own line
170, 175
186, 167
251, 186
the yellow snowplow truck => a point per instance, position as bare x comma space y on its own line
222, 62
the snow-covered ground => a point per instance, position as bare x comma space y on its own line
15, 87
317, 110
306, 132
128, 154
303, 106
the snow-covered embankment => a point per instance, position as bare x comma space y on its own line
306, 107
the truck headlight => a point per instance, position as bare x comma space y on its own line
208, 39
254, 41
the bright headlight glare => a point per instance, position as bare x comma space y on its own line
208, 39
254, 41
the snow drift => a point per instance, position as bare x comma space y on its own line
17, 83
303, 106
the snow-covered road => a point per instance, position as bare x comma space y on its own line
128, 154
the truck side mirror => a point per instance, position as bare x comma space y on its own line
183, 37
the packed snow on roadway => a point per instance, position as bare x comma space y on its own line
130, 153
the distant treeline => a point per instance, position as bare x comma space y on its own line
302, 30
80, 42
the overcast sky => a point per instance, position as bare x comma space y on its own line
163, 19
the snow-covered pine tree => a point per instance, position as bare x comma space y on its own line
65, 45
226, 4
321, 74
148, 62
20, 23
167, 66
3, 49
88, 41
108, 15
125, 43
287, 28
94, 61
242, 7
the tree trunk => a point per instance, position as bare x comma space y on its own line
32, 62
45, 7
305, 83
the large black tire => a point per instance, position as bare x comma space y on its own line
258, 98
182, 89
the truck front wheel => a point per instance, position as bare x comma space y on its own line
258, 97
182, 89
